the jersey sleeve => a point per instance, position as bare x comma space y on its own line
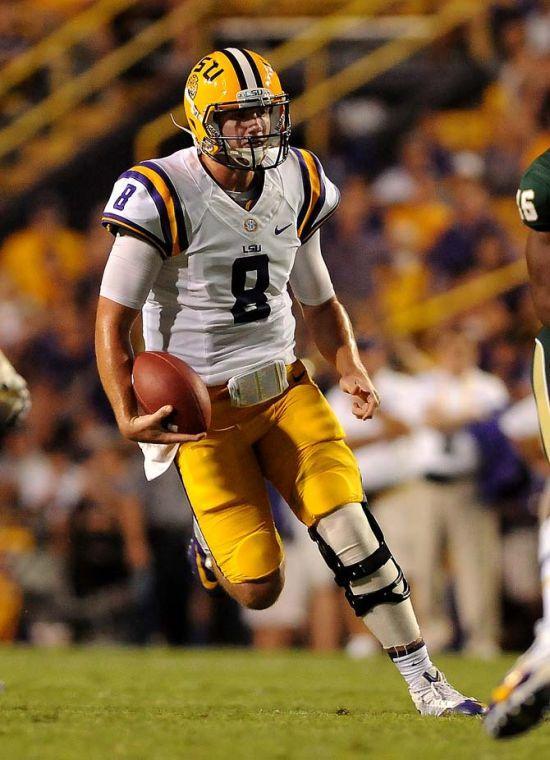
130, 272
310, 279
533, 196
144, 202
320, 196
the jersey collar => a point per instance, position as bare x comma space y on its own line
250, 224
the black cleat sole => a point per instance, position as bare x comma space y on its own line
527, 715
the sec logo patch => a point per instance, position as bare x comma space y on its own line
250, 225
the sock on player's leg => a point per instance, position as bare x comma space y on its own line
412, 661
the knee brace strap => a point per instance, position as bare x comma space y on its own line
344, 575
362, 604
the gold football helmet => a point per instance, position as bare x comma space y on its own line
218, 89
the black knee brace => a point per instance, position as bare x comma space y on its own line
345, 574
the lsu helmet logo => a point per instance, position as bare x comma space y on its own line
226, 87
192, 86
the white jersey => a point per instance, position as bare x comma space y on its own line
220, 300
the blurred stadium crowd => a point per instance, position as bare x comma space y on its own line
453, 465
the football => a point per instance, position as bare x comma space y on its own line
160, 379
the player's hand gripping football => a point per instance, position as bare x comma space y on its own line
154, 428
365, 397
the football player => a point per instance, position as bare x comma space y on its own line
524, 696
207, 241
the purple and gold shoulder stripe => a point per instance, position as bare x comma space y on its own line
315, 208
161, 190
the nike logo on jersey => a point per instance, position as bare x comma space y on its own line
278, 231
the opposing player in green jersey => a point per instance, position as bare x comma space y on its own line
524, 696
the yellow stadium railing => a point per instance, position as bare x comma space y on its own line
104, 71
316, 99
44, 52
317, 34
304, 44
445, 306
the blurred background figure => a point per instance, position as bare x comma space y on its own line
106, 554
15, 540
454, 251
449, 512
358, 230
428, 155
168, 525
45, 256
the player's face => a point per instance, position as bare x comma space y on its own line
457, 353
246, 123
248, 133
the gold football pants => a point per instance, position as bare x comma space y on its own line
294, 441
541, 385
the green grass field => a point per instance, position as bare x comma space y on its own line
105, 704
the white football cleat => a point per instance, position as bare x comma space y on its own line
522, 699
433, 695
